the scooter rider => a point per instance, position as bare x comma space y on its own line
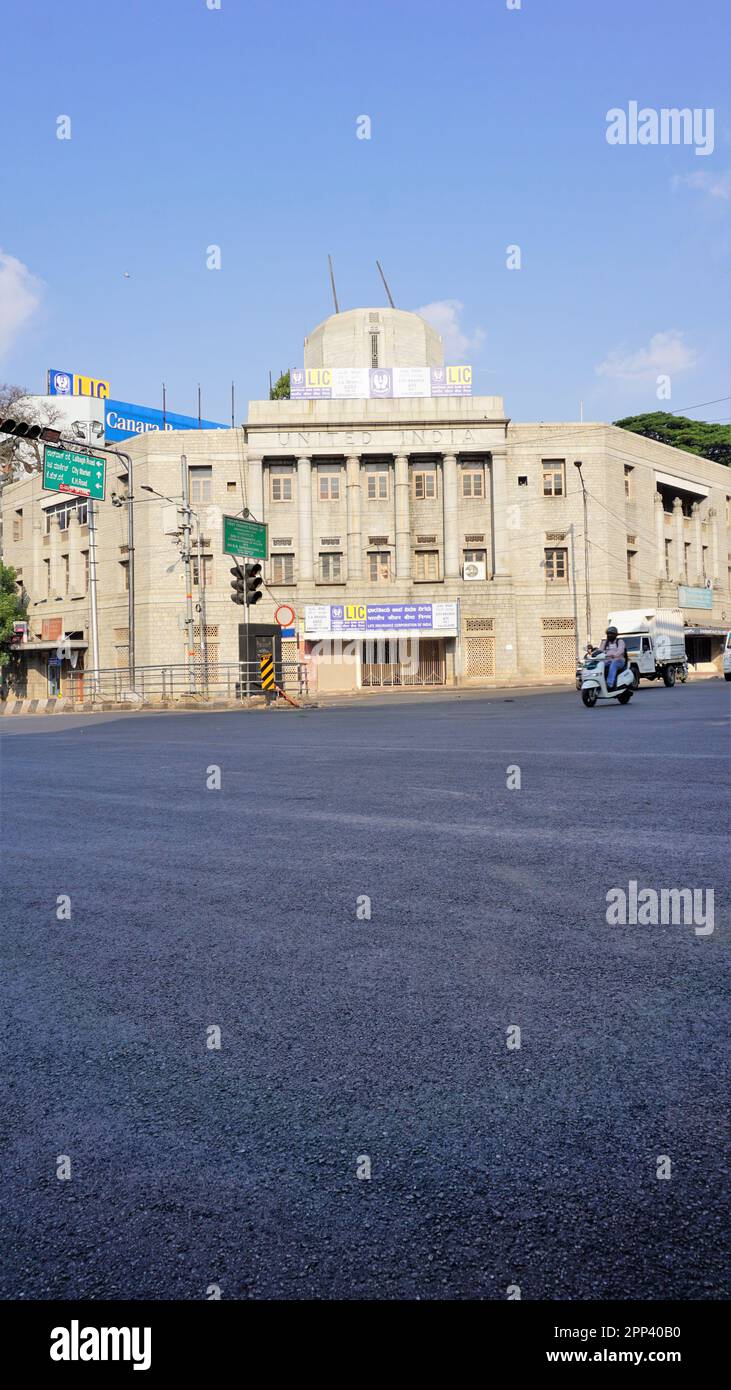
615, 656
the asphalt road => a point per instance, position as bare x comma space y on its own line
344, 1037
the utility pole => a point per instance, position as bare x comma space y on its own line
188, 576
577, 464
202, 600
91, 514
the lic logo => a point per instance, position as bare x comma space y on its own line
62, 383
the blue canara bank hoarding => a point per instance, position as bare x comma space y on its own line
122, 420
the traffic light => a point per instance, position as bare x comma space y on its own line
254, 582
238, 584
22, 430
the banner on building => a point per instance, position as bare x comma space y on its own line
75, 384
691, 597
377, 383
381, 619
121, 419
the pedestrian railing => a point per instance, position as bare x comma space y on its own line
235, 680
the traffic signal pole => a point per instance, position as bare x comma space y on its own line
188, 575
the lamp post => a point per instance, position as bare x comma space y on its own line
578, 465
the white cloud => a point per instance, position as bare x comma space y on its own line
716, 185
20, 295
666, 353
445, 316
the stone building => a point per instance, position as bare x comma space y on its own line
420, 540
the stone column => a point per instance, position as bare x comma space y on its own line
255, 489
451, 517
353, 495
37, 588
660, 535
713, 530
697, 546
55, 557
76, 577
403, 520
679, 541
305, 570
499, 500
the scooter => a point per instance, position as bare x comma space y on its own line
594, 685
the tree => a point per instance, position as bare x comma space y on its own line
12, 610
711, 441
280, 389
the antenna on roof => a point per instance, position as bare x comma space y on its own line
332, 282
385, 285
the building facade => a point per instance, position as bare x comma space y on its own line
418, 540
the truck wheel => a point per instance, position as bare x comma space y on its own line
589, 696
626, 696
636, 674
668, 675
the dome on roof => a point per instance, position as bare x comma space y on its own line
374, 338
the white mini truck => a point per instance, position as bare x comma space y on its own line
655, 642
727, 658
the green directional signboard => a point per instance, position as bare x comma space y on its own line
241, 537
82, 474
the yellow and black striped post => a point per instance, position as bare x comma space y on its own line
266, 666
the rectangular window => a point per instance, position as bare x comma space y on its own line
47, 568
632, 566
281, 487
331, 566
282, 569
231, 487
61, 513
704, 562
554, 471
374, 349
425, 486
85, 560
628, 487
378, 487
65, 562
329, 487
379, 566
472, 484
18, 524
556, 560
124, 566
207, 571
426, 564
668, 559
474, 557
686, 558
200, 481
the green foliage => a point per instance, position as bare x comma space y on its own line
11, 610
696, 436
280, 389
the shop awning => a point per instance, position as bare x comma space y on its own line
706, 631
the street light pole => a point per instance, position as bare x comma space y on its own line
577, 465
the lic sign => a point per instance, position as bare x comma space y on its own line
74, 384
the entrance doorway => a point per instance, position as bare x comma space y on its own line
389, 662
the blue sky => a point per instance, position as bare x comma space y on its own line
236, 127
